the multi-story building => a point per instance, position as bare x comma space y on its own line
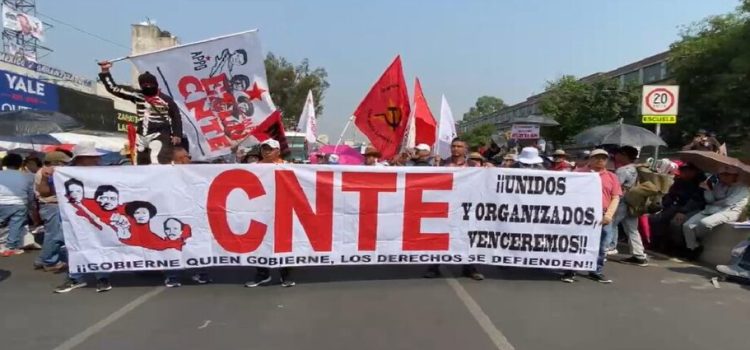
650, 70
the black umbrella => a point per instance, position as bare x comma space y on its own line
33, 122
618, 134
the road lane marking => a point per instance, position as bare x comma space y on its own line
79, 338
497, 337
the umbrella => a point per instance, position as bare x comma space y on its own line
541, 120
618, 134
347, 155
29, 141
711, 162
32, 122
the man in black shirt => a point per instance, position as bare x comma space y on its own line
159, 121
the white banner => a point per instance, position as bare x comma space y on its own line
524, 132
220, 87
21, 22
185, 216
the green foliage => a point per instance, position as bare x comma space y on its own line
485, 105
578, 105
479, 136
711, 63
289, 85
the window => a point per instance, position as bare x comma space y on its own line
631, 78
653, 73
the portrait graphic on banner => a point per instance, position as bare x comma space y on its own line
220, 87
194, 216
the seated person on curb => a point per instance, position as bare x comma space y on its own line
725, 200
684, 199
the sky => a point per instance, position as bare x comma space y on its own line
461, 48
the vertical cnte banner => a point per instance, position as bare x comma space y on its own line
171, 217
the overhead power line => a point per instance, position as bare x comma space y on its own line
83, 31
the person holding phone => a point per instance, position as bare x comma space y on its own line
725, 197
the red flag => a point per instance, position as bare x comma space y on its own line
273, 127
425, 124
131, 142
382, 116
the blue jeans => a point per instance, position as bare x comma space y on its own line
17, 219
607, 233
53, 236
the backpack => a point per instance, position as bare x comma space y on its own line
645, 197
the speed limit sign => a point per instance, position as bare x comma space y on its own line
660, 99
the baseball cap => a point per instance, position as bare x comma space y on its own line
599, 152
422, 147
271, 143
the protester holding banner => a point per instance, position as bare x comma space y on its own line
611, 192
51, 258
271, 152
84, 154
423, 156
458, 159
159, 121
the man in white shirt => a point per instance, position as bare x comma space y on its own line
16, 196
725, 200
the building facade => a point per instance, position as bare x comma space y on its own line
650, 70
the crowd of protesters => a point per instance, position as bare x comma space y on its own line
694, 205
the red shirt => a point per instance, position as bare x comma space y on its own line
142, 236
610, 185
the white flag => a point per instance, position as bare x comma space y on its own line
307, 122
446, 130
410, 138
219, 86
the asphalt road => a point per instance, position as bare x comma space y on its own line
671, 305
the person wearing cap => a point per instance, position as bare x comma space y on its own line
702, 142
159, 125
372, 156
509, 161
725, 197
684, 199
16, 199
422, 156
560, 161
50, 259
84, 154
530, 159
457, 159
271, 154
611, 192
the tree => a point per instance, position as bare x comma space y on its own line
289, 85
711, 63
479, 136
578, 105
485, 105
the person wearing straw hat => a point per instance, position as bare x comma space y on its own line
372, 156
50, 259
560, 161
726, 197
509, 161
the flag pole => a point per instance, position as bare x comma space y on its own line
346, 127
